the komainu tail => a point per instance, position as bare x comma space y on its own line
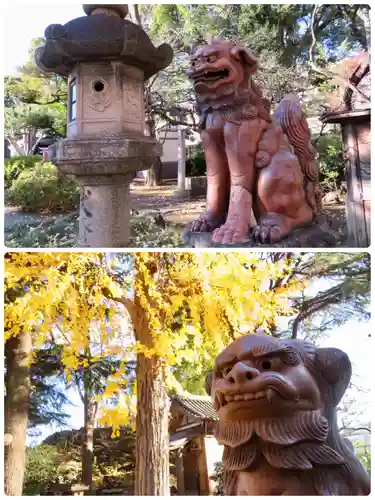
292, 119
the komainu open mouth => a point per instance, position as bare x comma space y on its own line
211, 76
229, 398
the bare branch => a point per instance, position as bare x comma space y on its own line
328, 73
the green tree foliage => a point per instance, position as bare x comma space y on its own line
279, 34
33, 86
35, 104
330, 154
47, 394
42, 464
55, 464
364, 454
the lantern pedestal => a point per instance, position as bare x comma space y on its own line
104, 169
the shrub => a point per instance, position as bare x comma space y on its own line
61, 230
41, 469
42, 189
332, 168
196, 163
364, 454
17, 164
54, 231
145, 232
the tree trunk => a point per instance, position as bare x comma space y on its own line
152, 447
153, 177
90, 408
364, 14
152, 433
16, 409
20, 151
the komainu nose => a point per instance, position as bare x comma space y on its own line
240, 373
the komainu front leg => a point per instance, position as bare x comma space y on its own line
239, 219
241, 141
217, 185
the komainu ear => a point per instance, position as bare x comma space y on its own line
208, 383
334, 366
245, 55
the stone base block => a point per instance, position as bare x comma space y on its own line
196, 186
319, 234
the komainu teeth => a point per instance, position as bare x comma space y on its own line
260, 395
238, 397
229, 397
269, 395
248, 396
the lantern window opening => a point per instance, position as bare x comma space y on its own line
73, 100
98, 85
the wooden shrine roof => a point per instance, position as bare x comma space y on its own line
198, 406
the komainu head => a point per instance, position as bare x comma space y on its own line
220, 67
276, 401
259, 377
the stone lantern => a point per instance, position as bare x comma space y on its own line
107, 60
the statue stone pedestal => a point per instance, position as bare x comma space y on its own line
319, 234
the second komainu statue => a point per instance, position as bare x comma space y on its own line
262, 176
276, 401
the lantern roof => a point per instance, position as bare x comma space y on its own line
102, 35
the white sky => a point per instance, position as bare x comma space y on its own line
22, 22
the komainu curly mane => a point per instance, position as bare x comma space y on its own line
277, 419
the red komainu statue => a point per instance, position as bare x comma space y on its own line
257, 164
276, 401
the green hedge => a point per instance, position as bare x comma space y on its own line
42, 189
18, 164
331, 162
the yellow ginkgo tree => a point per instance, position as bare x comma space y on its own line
57, 298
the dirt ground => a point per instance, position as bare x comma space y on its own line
177, 213
163, 199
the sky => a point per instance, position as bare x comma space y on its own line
23, 22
